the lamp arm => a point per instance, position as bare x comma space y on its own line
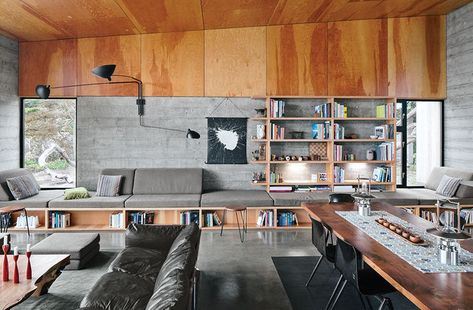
90, 84
142, 124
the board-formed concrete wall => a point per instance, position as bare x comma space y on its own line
459, 103
9, 105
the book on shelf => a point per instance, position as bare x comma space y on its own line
265, 218
385, 151
429, 216
116, 219
339, 174
287, 218
188, 217
277, 132
33, 221
141, 217
276, 108
341, 111
468, 215
339, 132
212, 219
338, 152
322, 110
59, 219
385, 111
321, 131
382, 174
280, 189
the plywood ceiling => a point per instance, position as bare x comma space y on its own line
37, 20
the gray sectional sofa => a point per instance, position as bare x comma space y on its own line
182, 188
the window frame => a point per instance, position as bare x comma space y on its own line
403, 130
22, 137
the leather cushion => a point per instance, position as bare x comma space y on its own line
159, 237
190, 233
171, 294
151, 181
139, 261
118, 291
128, 176
182, 258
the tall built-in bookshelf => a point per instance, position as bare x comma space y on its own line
329, 138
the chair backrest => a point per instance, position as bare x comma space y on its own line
319, 237
334, 198
348, 261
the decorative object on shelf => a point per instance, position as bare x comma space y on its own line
323, 177
318, 151
260, 131
226, 140
370, 154
29, 272
363, 196
314, 177
16, 275
262, 152
297, 134
260, 112
255, 155
5, 249
380, 132
259, 177
106, 72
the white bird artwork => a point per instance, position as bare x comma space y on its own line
228, 138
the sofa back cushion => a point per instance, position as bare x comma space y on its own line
158, 237
171, 294
437, 173
465, 190
149, 181
128, 176
5, 193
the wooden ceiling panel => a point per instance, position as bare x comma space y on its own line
164, 15
237, 13
82, 18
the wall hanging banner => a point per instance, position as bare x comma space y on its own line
226, 140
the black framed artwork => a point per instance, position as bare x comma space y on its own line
226, 140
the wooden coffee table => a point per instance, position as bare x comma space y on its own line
46, 268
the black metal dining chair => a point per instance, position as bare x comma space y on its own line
320, 235
339, 197
367, 281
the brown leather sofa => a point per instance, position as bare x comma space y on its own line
155, 271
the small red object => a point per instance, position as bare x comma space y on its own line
5, 248
16, 275
28, 266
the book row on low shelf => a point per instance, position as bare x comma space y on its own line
429, 215
287, 218
468, 215
187, 217
276, 108
33, 221
265, 218
141, 217
59, 219
211, 219
116, 220
299, 188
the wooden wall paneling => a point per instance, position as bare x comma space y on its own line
48, 62
235, 62
297, 60
417, 57
173, 64
357, 58
124, 51
237, 13
163, 15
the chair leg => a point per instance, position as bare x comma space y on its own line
223, 222
246, 220
339, 294
313, 271
334, 292
239, 230
386, 301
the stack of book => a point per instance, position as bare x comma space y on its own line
212, 219
141, 217
322, 110
116, 220
287, 218
321, 131
265, 218
338, 152
341, 111
339, 132
385, 151
59, 219
339, 174
276, 108
382, 174
281, 189
188, 217
277, 132
385, 111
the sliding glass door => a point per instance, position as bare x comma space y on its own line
419, 140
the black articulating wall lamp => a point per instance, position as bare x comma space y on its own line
106, 72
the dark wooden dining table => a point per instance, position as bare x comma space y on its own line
425, 290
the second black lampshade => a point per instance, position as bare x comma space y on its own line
192, 134
43, 91
105, 71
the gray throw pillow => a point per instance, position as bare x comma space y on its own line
109, 185
23, 186
448, 186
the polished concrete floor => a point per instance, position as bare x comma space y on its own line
234, 275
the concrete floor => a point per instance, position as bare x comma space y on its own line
234, 275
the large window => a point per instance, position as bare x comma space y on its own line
419, 140
48, 141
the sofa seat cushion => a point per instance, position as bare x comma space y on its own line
139, 261
247, 198
295, 199
92, 202
37, 201
78, 245
118, 291
163, 201
401, 197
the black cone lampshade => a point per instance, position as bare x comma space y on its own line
192, 134
105, 71
43, 91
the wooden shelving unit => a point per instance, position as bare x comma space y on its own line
330, 163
